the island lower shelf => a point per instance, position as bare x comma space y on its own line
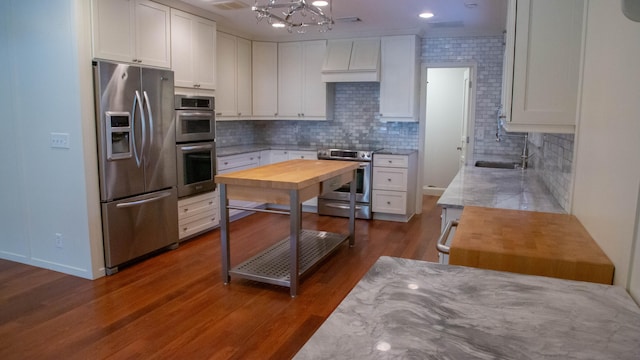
272, 265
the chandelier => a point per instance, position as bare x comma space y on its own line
295, 15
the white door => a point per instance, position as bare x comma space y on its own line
447, 116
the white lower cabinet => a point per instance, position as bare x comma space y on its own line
394, 186
197, 214
227, 164
276, 156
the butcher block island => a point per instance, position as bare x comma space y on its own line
285, 183
529, 242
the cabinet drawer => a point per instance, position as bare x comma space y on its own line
394, 179
197, 205
246, 161
397, 161
309, 155
196, 224
392, 202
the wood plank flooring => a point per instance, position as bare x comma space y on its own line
175, 305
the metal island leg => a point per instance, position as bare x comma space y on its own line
352, 210
294, 241
224, 233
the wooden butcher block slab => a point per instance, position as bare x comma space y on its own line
527, 242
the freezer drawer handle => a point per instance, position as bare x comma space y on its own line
141, 202
442, 240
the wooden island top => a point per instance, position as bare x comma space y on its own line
272, 183
528, 242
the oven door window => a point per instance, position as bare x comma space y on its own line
197, 167
359, 183
194, 125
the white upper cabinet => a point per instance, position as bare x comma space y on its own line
265, 79
193, 50
542, 65
233, 92
301, 93
133, 31
352, 60
399, 80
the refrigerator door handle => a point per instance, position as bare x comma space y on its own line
143, 125
146, 101
145, 201
138, 101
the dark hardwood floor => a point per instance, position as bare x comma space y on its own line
175, 305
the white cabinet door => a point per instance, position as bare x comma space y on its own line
153, 34
265, 79
113, 31
243, 77
182, 48
545, 59
226, 104
193, 44
133, 31
204, 53
301, 92
314, 89
399, 82
365, 54
290, 80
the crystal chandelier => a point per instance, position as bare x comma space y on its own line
295, 15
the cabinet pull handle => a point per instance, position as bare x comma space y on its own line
219, 114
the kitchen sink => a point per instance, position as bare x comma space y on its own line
497, 165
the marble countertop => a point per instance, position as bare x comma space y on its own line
408, 309
499, 188
243, 149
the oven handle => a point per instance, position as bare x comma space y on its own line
363, 165
196, 147
194, 114
342, 207
442, 240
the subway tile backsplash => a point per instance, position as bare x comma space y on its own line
551, 157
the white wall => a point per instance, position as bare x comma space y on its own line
443, 126
607, 173
45, 64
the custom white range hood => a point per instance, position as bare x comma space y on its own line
352, 60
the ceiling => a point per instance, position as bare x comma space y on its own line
376, 17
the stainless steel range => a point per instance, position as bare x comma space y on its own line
336, 203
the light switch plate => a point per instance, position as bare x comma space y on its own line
60, 140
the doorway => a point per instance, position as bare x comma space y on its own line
447, 130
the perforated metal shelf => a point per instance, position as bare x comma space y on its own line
272, 265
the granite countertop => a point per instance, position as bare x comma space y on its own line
499, 188
396, 151
409, 309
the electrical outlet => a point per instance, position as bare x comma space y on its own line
60, 140
59, 240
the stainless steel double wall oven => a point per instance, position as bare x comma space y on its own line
336, 203
195, 144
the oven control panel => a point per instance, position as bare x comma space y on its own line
342, 154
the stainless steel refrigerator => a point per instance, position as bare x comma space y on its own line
136, 159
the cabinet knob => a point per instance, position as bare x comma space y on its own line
239, 114
210, 202
251, 158
276, 114
390, 161
226, 163
389, 180
388, 202
184, 229
302, 157
185, 209
302, 114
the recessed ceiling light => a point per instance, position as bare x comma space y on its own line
278, 25
426, 15
320, 3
